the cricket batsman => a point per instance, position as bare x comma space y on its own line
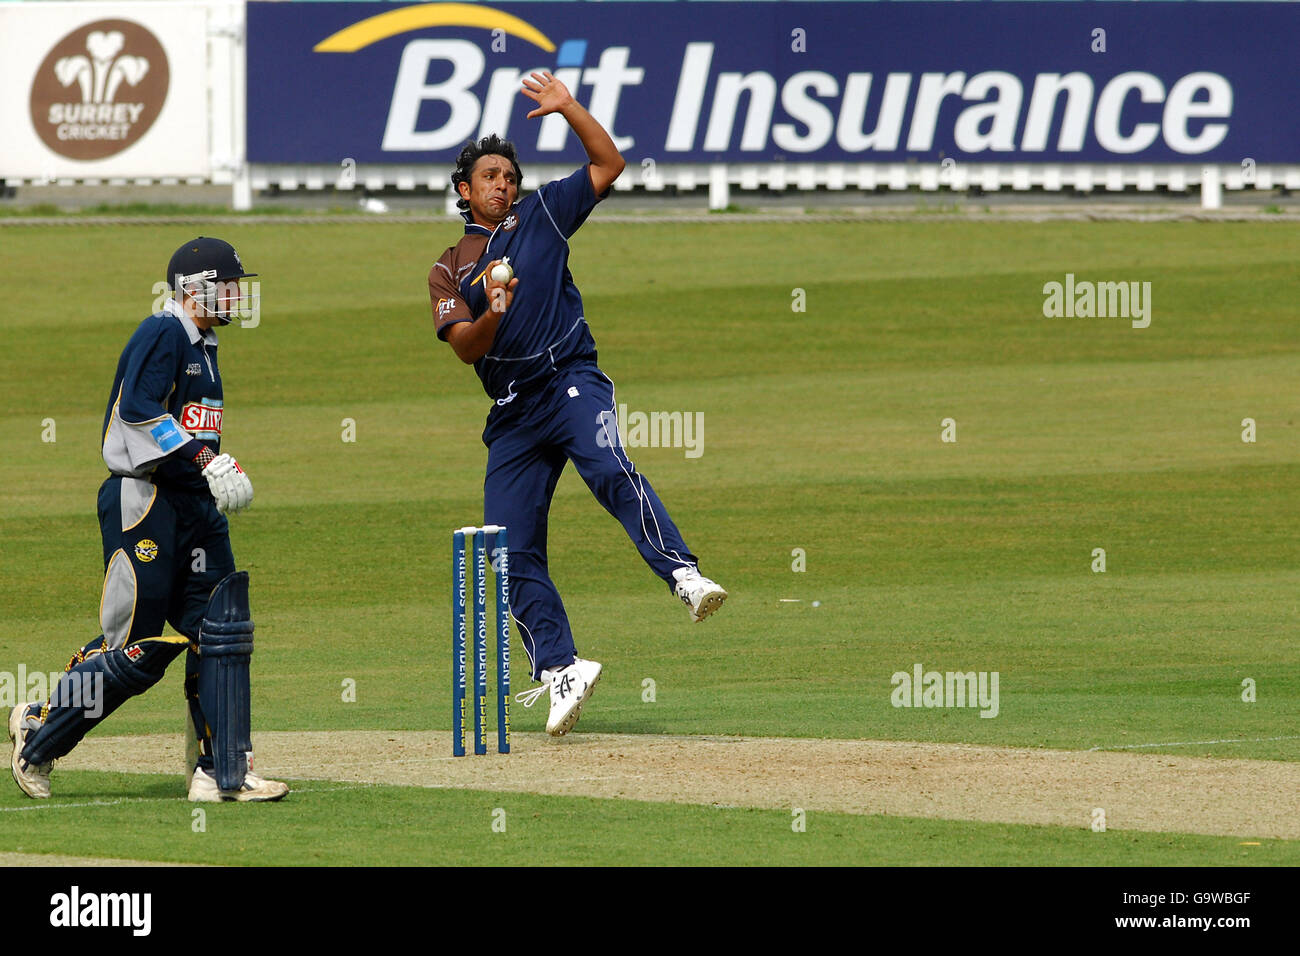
523, 329
167, 555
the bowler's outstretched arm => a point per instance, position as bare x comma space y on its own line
552, 96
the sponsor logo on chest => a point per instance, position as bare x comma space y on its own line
202, 419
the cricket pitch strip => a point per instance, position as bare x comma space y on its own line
1153, 792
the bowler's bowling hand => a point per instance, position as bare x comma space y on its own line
500, 294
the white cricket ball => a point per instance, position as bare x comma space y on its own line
502, 272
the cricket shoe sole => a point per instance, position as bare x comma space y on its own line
701, 595
710, 602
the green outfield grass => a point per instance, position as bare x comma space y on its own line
353, 825
821, 433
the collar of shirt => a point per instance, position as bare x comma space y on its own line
192, 330
468, 216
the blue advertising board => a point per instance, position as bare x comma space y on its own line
760, 82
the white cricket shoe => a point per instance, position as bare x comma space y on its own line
700, 595
570, 688
33, 780
203, 788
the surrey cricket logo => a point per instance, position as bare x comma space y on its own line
99, 90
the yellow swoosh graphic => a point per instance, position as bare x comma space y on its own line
373, 29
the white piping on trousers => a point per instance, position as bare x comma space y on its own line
640, 491
532, 655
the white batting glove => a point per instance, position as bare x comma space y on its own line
229, 485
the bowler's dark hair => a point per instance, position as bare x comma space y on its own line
492, 145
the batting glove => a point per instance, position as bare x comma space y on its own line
229, 485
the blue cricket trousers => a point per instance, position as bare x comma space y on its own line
529, 440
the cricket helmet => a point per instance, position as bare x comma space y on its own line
202, 268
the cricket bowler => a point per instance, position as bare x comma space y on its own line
524, 331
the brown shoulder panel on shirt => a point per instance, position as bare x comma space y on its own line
445, 300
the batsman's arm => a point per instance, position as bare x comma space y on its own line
141, 431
